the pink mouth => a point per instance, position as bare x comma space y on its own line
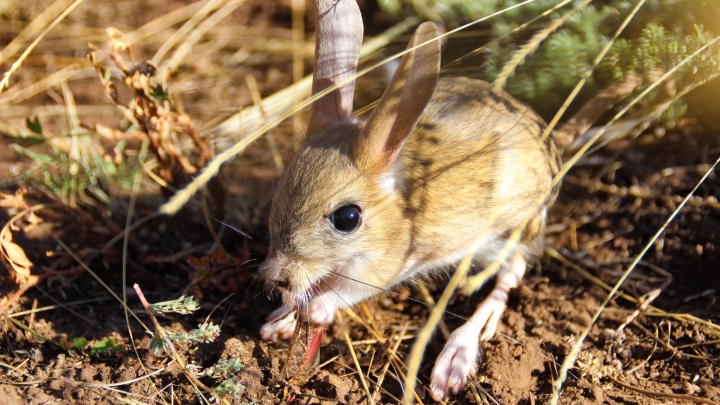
318, 308
297, 300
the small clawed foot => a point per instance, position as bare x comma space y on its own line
280, 325
456, 362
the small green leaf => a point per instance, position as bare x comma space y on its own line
232, 387
79, 343
159, 93
158, 344
34, 125
102, 346
181, 305
107, 346
38, 157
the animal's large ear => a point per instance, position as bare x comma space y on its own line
403, 102
337, 48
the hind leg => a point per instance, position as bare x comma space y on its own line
459, 357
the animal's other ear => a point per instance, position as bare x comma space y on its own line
337, 48
403, 102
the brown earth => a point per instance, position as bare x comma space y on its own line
593, 225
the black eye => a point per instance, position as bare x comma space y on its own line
347, 218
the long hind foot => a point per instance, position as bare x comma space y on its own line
458, 359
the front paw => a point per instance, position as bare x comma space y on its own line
321, 311
280, 325
457, 361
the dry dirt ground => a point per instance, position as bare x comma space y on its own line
610, 206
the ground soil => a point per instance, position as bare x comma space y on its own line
610, 206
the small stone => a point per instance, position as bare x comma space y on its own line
691, 389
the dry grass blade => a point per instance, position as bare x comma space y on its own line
519, 28
638, 121
431, 302
603, 101
97, 277
22, 111
531, 46
663, 394
126, 242
572, 356
475, 282
183, 31
181, 198
298, 63
627, 108
15, 369
37, 24
15, 66
392, 352
257, 101
197, 34
355, 359
589, 72
426, 332
279, 103
73, 122
165, 21
53, 307
587, 275
48, 82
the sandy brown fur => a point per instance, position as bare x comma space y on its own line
482, 177
492, 149
441, 169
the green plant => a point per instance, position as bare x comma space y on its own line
107, 346
225, 371
75, 344
182, 305
660, 35
78, 169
